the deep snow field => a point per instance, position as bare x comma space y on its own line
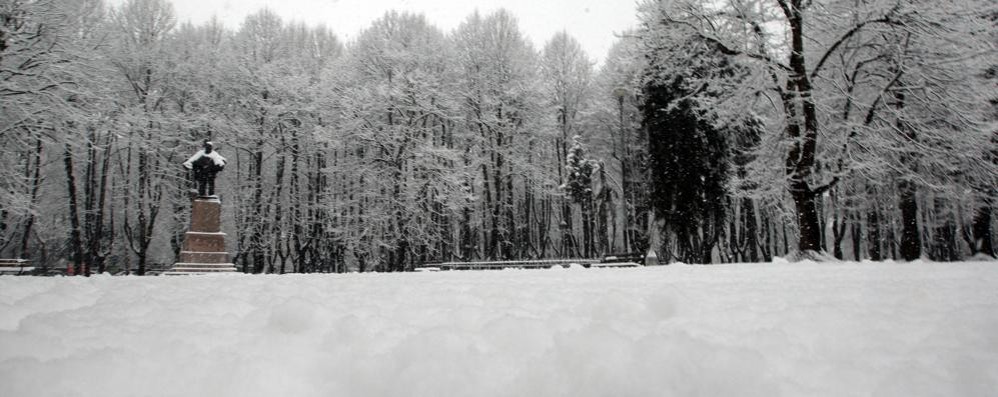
799, 329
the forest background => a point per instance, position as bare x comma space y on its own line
721, 131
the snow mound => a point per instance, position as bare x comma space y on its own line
792, 329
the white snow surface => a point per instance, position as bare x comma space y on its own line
790, 329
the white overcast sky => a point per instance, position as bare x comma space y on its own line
592, 22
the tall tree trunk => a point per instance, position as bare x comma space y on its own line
143, 219
873, 228
402, 245
751, 230
838, 226
90, 192
95, 201
528, 204
767, 234
801, 156
807, 219
511, 227
36, 182
490, 234
297, 220
945, 241
857, 237
983, 240
499, 230
276, 202
99, 249
626, 215
544, 225
75, 239
256, 242
586, 211
911, 245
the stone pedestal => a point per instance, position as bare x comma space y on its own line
651, 259
204, 244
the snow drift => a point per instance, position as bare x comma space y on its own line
834, 329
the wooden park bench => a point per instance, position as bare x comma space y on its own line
498, 265
630, 259
633, 259
15, 266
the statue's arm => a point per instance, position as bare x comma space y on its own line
190, 162
217, 159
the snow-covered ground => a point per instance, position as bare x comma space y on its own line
804, 329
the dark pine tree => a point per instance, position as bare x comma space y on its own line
579, 186
689, 164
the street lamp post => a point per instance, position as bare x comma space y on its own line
620, 93
566, 242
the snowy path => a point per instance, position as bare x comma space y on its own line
755, 329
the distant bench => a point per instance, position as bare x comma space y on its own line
15, 266
615, 260
498, 265
628, 259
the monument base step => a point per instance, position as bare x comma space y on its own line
181, 268
204, 257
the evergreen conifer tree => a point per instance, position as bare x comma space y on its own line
689, 161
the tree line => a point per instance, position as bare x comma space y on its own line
713, 132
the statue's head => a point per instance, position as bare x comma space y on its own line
208, 146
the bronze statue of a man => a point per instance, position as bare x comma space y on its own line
205, 164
